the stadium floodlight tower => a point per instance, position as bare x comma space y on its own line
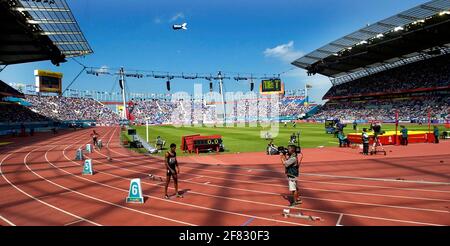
122, 86
220, 77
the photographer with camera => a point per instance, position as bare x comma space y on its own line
291, 163
376, 127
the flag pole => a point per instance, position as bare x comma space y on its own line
396, 126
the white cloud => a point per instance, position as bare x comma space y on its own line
320, 84
176, 17
284, 52
287, 53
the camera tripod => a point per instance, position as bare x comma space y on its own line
376, 147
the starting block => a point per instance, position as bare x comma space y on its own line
287, 214
88, 148
99, 144
135, 192
79, 155
87, 168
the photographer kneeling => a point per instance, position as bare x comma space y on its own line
291, 164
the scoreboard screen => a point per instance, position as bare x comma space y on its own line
210, 141
50, 82
197, 143
271, 86
47, 81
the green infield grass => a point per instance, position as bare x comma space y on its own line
247, 139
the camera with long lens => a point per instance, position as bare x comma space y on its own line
285, 151
377, 130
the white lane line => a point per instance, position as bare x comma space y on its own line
305, 197
338, 223
377, 179
309, 181
313, 210
97, 199
7, 221
165, 200
335, 191
312, 198
34, 198
73, 222
283, 206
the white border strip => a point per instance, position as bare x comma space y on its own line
7, 221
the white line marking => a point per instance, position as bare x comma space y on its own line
73, 222
312, 198
376, 179
7, 221
302, 180
34, 198
165, 200
97, 199
338, 223
330, 212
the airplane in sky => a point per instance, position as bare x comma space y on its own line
180, 27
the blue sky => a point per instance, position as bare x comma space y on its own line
260, 37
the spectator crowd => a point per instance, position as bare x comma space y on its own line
425, 74
385, 110
13, 113
60, 108
202, 110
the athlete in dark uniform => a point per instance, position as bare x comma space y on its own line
94, 136
172, 170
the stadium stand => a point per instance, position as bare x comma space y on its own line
155, 110
294, 106
432, 74
409, 109
397, 65
72, 109
15, 107
414, 90
6, 90
158, 111
11, 112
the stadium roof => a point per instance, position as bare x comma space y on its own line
331, 54
36, 30
6, 90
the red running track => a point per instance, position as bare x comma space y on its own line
41, 184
